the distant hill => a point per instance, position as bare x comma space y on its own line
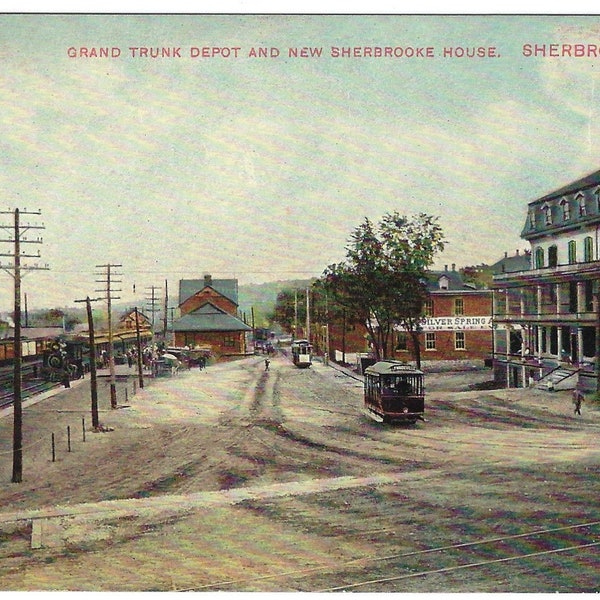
262, 297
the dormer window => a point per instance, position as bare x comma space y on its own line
531, 219
597, 194
581, 204
566, 209
443, 282
547, 214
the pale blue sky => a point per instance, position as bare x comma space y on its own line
260, 168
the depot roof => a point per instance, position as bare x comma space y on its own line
209, 318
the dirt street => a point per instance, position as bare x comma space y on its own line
238, 479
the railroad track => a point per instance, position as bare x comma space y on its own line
29, 388
489, 553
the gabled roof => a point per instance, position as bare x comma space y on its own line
209, 318
512, 264
225, 287
454, 281
131, 313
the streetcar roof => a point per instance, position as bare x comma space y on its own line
391, 367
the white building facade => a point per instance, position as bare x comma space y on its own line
546, 317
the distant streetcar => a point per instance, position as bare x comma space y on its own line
394, 392
302, 353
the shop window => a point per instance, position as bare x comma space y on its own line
430, 341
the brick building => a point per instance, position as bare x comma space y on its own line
208, 317
457, 325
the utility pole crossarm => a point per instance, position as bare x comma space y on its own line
109, 281
15, 269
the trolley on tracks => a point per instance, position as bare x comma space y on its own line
394, 392
302, 353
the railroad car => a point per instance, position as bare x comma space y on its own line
31, 350
394, 392
302, 353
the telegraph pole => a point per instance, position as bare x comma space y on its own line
109, 298
14, 269
166, 310
307, 316
151, 306
92, 343
139, 348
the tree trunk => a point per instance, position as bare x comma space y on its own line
416, 347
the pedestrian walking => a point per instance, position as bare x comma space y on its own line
66, 379
267, 363
578, 398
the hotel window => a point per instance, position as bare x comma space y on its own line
566, 209
430, 341
401, 342
459, 307
547, 214
581, 204
539, 258
428, 307
588, 249
459, 340
572, 246
552, 256
589, 295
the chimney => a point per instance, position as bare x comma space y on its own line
445, 267
207, 280
453, 266
517, 252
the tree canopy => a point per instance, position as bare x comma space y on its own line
381, 283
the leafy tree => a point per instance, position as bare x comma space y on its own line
382, 281
480, 276
53, 317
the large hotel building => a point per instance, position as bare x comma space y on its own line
546, 315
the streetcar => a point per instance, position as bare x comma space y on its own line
302, 353
394, 392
